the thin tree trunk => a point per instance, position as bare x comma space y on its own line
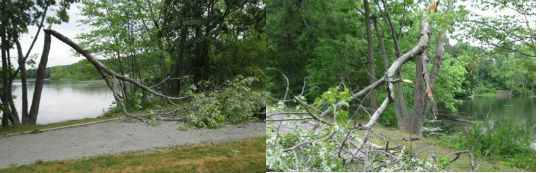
24, 87
6, 89
439, 54
164, 72
40, 77
371, 61
401, 110
14, 114
6, 115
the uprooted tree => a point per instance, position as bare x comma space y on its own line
326, 138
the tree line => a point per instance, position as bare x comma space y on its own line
323, 44
154, 42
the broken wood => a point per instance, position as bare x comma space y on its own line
103, 71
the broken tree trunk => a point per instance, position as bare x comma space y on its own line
101, 66
104, 71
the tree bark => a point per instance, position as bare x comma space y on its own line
439, 54
440, 49
7, 105
400, 108
371, 61
419, 104
40, 77
24, 87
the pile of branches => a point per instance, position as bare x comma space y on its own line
313, 139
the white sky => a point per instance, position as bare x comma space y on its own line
60, 53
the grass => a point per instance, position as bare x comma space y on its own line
246, 155
8, 131
433, 145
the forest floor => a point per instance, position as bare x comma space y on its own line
112, 137
431, 145
422, 148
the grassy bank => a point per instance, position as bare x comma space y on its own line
8, 131
246, 155
432, 145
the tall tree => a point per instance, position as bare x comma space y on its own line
16, 17
371, 60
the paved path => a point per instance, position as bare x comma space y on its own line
112, 137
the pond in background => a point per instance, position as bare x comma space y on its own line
67, 100
502, 110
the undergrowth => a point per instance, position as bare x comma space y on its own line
496, 140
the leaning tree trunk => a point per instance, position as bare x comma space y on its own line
371, 61
104, 71
439, 54
40, 78
24, 87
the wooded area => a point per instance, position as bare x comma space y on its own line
155, 52
330, 72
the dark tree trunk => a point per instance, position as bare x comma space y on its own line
7, 103
40, 77
6, 115
14, 114
24, 87
400, 105
419, 97
164, 73
177, 68
371, 61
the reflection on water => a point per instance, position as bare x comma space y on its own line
521, 110
67, 100
501, 111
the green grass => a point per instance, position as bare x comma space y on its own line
436, 146
8, 131
246, 155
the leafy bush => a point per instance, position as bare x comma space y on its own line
235, 102
497, 140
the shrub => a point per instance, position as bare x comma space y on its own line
497, 140
235, 102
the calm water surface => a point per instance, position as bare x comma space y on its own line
67, 100
502, 110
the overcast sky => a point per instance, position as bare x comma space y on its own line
61, 53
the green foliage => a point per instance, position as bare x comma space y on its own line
451, 77
323, 157
152, 119
500, 140
183, 128
233, 102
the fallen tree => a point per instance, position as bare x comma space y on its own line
108, 75
329, 140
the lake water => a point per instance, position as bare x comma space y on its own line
67, 100
502, 110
